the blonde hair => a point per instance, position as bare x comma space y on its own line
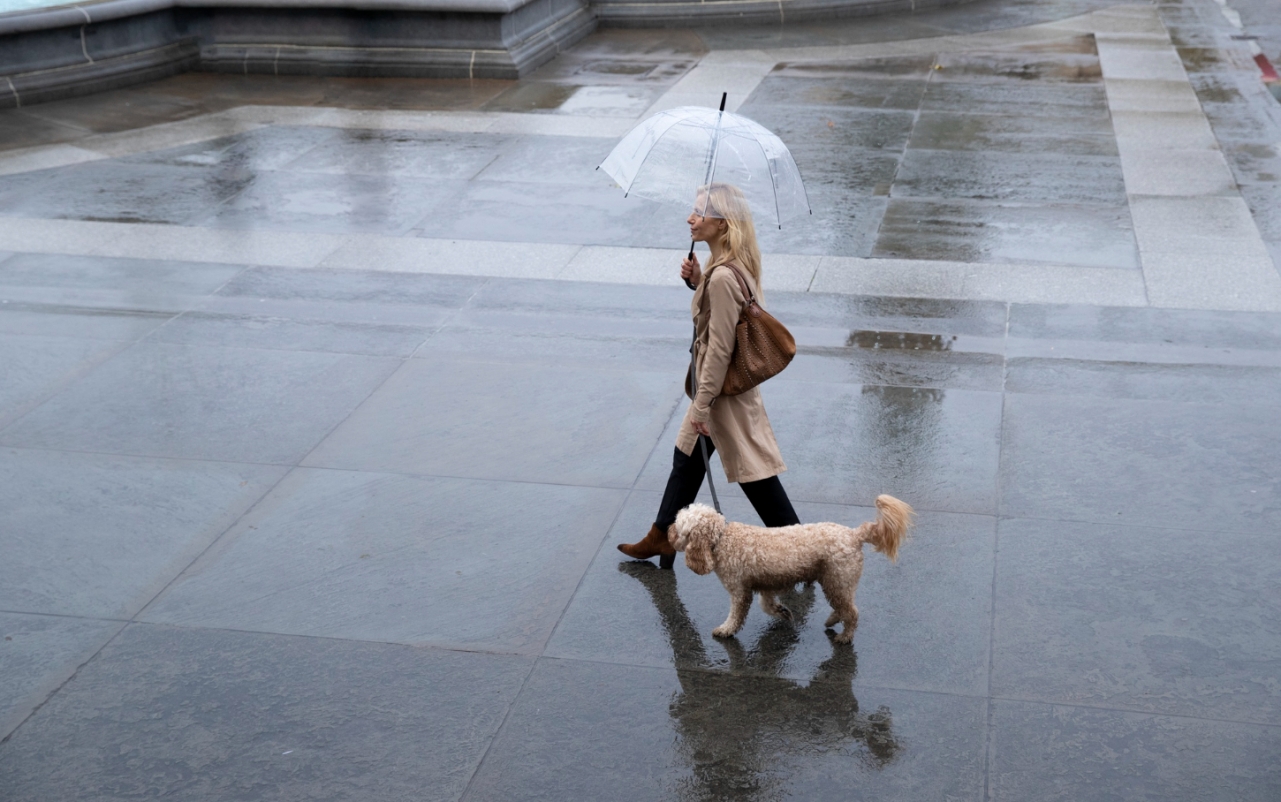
728, 203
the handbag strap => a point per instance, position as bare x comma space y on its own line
748, 295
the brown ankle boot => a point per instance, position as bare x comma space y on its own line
654, 544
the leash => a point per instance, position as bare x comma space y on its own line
702, 442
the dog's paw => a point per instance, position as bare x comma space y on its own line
785, 614
845, 637
723, 632
831, 620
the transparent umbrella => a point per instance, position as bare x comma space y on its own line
671, 154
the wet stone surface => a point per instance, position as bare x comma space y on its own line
345, 529
448, 490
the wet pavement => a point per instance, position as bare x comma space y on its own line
325, 401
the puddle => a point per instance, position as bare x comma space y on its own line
872, 67
900, 340
532, 97
1022, 66
1199, 59
618, 68
1083, 45
607, 100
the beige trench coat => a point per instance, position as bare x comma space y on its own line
740, 428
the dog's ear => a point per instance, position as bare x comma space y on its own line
686, 519
700, 538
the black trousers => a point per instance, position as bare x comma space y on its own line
767, 495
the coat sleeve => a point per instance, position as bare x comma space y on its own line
726, 301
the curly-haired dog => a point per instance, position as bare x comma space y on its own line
752, 559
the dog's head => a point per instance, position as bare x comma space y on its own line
695, 532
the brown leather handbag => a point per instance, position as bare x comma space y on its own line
762, 345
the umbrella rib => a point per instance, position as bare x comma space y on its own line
648, 153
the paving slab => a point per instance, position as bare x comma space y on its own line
893, 277
148, 519
1063, 753
1176, 172
1164, 130
377, 557
284, 328
841, 224
843, 85
59, 279
36, 367
419, 154
198, 402
1138, 618
1209, 225
40, 652
576, 425
316, 202
452, 256
1100, 459
1193, 383
987, 175
1139, 60
424, 293
833, 129
549, 159
197, 244
194, 714
1067, 100
1136, 95
580, 729
570, 325
265, 148
977, 131
1214, 281
142, 193
550, 212
70, 321
1088, 235
1212, 335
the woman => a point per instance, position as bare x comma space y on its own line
736, 424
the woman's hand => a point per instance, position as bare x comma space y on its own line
701, 428
691, 271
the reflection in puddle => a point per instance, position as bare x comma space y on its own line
900, 340
739, 729
904, 426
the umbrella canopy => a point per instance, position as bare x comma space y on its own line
670, 155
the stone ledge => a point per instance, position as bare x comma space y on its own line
51, 53
674, 13
121, 42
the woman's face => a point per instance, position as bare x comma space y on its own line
704, 229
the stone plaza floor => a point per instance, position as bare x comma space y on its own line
323, 403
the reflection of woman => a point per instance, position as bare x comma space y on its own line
735, 424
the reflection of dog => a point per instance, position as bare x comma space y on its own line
752, 559
731, 719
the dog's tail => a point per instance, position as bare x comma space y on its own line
893, 519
